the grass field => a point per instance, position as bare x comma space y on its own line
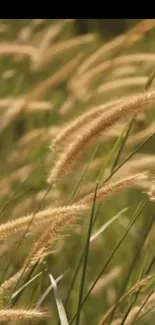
77, 163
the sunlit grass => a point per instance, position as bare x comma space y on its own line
77, 174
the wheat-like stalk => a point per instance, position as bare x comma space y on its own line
40, 218
118, 43
114, 187
80, 85
80, 122
67, 45
22, 314
64, 216
68, 158
138, 286
121, 83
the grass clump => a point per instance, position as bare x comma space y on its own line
77, 174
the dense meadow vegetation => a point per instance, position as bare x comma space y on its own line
77, 162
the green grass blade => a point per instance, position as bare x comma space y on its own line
138, 212
85, 259
131, 269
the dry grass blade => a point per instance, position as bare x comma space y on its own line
106, 225
47, 291
60, 307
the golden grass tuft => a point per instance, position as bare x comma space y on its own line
68, 158
65, 105
22, 314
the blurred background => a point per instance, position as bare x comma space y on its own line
106, 27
